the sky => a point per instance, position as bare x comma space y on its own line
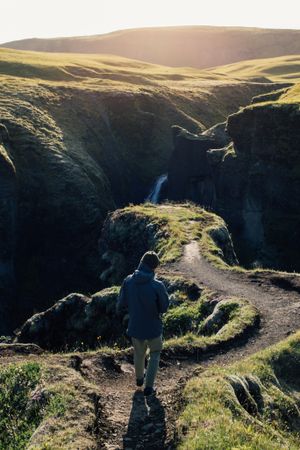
53, 18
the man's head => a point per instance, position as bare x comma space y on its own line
150, 259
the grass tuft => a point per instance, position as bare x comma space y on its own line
253, 404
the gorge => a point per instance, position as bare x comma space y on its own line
103, 158
82, 136
69, 155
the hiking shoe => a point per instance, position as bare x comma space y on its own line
149, 391
139, 382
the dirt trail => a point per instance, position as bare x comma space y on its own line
279, 308
128, 420
131, 421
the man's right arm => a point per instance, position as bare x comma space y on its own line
122, 302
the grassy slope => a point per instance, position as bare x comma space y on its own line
253, 404
173, 227
291, 96
280, 69
100, 87
200, 46
44, 405
201, 98
111, 70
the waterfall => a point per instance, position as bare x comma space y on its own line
154, 195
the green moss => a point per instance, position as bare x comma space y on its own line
18, 416
187, 324
166, 229
253, 404
181, 320
69, 417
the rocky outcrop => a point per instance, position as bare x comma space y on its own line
19, 349
79, 322
129, 232
190, 173
253, 183
125, 237
76, 321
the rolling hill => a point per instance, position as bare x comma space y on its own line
195, 46
283, 68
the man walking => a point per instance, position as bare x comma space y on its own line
145, 298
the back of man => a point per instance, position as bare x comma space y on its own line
145, 298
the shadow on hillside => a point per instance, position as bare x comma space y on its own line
285, 283
146, 426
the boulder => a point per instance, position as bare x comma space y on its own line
76, 321
19, 349
125, 237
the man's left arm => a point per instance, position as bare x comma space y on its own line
163, 297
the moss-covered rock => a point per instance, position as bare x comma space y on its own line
76, 321
129, 232
80, 322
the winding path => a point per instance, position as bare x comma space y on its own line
137, 423
279, 308
128, 420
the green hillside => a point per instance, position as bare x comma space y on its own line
284, 68
196, 46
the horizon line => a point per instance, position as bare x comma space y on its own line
119, 30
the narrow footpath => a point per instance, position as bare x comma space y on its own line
130, 421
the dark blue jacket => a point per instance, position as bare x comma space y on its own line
145, 298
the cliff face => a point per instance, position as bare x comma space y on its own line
253, 183
66, 159
267, 143
8, 200
51, 205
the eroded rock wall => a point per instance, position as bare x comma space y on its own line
67, 157
253, 183
8, 217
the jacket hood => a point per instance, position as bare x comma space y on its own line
143, 274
